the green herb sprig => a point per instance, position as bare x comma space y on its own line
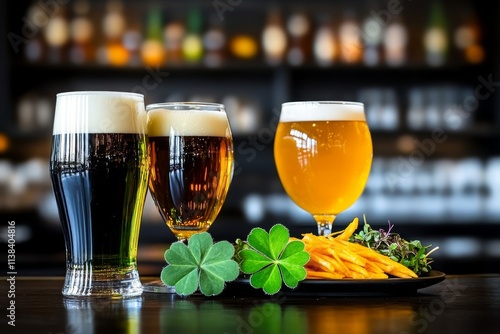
409, 253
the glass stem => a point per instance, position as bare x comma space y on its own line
325, 223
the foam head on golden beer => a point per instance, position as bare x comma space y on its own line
323, 154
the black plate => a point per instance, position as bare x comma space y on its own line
340, 287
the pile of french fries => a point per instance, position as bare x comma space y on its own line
334, 257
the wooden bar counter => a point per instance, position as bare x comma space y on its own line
458, 304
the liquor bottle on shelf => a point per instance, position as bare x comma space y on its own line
133, 40
56, 34
416, 110
274, 38
467, 37
35, 49
395, 42
152, 52
192, 44
173, 35
81, 28
244, 46
299, 31
351, 48
324, 48
434, 109
214, 43
389, 116
436, 36
373, 34
112, 51
373, 100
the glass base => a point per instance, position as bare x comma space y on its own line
85, 281
158, 287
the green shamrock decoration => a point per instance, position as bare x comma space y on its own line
272, 259
200, 264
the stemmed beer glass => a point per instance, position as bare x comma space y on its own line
191, 152
323, 154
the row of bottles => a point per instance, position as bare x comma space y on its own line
116, 35
421, 108
399, 190
34, 112
427, 108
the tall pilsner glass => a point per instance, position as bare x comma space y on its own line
323, 154
99, 170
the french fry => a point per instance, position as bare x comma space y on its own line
321, 274
350, 229
334, 257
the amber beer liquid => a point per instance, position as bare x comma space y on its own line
191, 156
323, 155
99, 170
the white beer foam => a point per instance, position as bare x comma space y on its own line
187, 123
322, 111
99, 112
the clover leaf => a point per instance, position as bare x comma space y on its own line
273, 259
200, 264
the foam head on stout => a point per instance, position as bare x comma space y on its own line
99, 112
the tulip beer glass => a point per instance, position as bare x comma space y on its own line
191, 151
323, 155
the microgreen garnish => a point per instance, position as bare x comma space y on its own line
199, 264
409, 253
272, 259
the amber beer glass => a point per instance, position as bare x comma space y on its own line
191, 151
323, 155
99, 170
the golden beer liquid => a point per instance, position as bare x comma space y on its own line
323, 165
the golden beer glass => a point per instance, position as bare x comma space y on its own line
191, 155
323, 154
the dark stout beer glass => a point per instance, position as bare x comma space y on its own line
99, 170
191, 152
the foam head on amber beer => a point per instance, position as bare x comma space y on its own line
322, 111
211, 123
99, 112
